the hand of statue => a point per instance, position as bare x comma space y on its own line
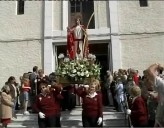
68, 29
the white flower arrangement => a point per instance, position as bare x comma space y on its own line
66, 59
91, 57
78, 70
61, 56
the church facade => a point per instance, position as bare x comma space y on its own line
122, 34
127, 34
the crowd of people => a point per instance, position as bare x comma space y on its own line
42, 94
141, 98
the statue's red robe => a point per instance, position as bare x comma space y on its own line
71, 52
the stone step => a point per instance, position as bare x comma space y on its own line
76, 114
70, 116
25, 117
107, 113
74, 123
106, 123
22, 126
33, 120
72, 119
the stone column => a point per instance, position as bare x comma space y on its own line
48, 51
102, 14
57, 15
65, 15
115, 41
96, 10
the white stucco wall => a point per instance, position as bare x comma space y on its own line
20, 44
57, 15
101, 12
137, 50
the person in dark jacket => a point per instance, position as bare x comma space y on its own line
32, 78
40, 78
69, 101
33, 85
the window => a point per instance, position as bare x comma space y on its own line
143, 3
84, 9
20, 7
76, 6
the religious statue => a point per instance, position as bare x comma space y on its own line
77, 42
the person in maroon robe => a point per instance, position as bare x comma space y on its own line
47, 105
92, 113
138, 109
